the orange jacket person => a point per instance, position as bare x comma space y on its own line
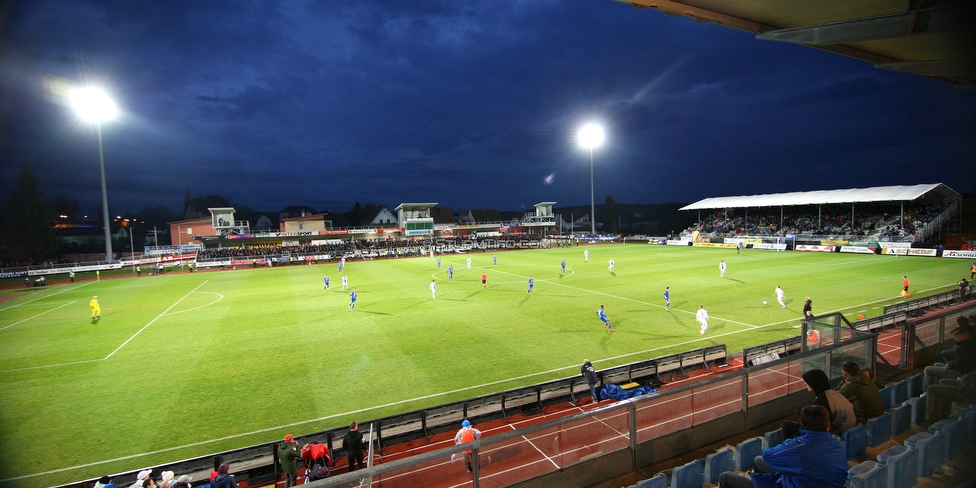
96, 310
484, 281
904, 283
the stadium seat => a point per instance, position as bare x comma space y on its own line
872, 475
918, 408
717, 463
688, 475
913, 440
658, 481
879, 430
886, 397
956, 438
746, 452
772, 438
899, 392
855, 441
971, 418
890, 452
931, 453
903, 469
915, 385
901, 418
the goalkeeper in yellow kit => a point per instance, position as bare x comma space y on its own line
96, 310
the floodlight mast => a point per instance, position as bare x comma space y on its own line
591, 136
94, 105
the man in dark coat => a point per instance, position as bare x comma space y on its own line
352, 443
860, 389
590, 374
288, 455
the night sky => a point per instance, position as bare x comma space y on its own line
466, 103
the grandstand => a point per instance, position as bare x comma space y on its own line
916, 213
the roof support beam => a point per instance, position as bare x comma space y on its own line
945, 67
700, 14
939, 19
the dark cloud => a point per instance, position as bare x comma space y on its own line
471, 104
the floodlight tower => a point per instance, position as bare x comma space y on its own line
591, 136
93, 105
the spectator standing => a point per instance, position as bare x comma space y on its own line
465, 435
963, 288
808, 308
352, 443
288, 455
812, 460
861, 390
590, 374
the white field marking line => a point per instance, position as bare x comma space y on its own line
352, 412
154, 320
633, 300
38, 315
201, 306
47, 296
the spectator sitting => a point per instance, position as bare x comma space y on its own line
953, 352
182, 482
860, 389
812, 460
964, 363
842, 416
941, 396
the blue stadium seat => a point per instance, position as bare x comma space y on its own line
899, 392
746, 452
879, 430
868, 475
717, 463
903, 469
915, 385
918, 408
901, 418
658, 481
772, 438
939, 426
688, 475
956, 438
931, 453
913, 440
890, 452
971, 418
855, 441
886, 397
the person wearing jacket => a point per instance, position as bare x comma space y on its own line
288, 456
813, 460
860, 389
964, 362
223, 478
591, 379
352, 443
842, 416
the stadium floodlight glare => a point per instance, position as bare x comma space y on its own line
591, 136
94, 105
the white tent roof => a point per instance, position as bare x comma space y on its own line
820, 197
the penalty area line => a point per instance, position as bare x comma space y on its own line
38, 315
154, 320
47, 296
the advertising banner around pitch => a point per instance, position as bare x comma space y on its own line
810, 248
959, 254
857, 249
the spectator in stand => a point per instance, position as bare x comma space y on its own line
182, 482
314, 452
812, 460
965, 361
590, 374
223, 478
963, 288
941, 396
842, 416
142, 479
352, 443
861, 390
288, 456
166, 479
104, 482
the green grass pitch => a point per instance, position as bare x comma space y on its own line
183, 365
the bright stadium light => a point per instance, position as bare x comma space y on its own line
591, 136
94, 105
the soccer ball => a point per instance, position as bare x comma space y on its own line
764, 302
